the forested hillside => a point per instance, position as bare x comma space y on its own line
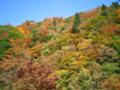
81, 52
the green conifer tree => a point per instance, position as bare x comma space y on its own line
76, 23
103, 7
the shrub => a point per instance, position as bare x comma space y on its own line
7, 33
34, 76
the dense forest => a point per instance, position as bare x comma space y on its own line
81, 52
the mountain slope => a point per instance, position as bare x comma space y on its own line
81, 52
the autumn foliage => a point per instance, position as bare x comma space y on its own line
81, 52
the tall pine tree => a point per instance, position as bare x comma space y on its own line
103, 7
104, 10
76, 23
115, 5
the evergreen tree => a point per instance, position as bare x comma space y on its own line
76, 23
115, 5
104, 10
103, 7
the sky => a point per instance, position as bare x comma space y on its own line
16, 12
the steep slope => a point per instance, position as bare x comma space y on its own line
81, 52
